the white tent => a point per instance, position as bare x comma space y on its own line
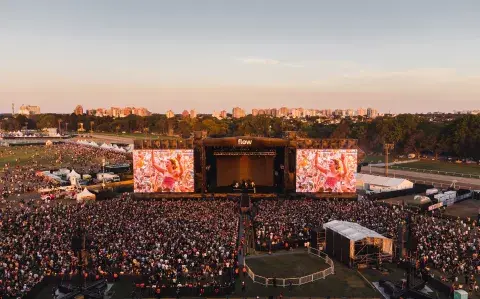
105, 146
73, 173
93, 144
380, 184
85, 195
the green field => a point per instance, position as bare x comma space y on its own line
445, 167
286, 265
24, 155
381, 158
138, 136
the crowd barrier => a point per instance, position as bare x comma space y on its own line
295, 281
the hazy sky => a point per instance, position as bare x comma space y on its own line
399, 56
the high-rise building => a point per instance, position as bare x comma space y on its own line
185, 114
361, 112
115, 112
294, 112
223, 114
282, 112
254, 112
78, 110
127, 111
29, 110
193, 113
238, 112
170, 114
349, 112
372, 113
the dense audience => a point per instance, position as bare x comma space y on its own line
449, 246
172, 241
20, 175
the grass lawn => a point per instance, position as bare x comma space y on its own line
381, 158
286, 265
138, 136
472, 169
23, 155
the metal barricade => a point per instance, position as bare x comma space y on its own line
296, 281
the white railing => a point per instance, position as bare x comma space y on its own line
296, 281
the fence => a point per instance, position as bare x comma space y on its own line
296, 281
431, 171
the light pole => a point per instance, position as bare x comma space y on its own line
387, 147
59, 128
66, 127
103, 173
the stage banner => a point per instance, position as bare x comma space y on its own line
326, 170
170, 170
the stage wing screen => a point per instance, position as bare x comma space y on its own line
163, 171
325, 170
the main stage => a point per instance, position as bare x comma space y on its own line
217, 164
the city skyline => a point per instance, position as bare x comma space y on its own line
214, 55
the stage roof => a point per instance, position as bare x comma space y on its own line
352, 231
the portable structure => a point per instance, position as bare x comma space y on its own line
355, 245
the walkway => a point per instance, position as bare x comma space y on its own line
241, 234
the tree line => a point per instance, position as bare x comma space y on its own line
453, 135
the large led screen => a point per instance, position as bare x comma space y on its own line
163, 171
326, 170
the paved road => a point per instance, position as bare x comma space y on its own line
438, 180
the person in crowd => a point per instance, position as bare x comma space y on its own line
174, 242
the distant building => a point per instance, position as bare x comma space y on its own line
282, 112
361, 112
238, 112
372, 113
254, 112
170, 114
114, 112
223, 114
193, 113
78, 110
185, 114
349, 112
295, 113
29, 110
126, 112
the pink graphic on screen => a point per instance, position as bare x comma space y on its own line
325, 170
163, 171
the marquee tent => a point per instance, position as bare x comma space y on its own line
85, 195
380, 184
353, 244
73, 173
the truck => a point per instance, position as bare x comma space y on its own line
108, 177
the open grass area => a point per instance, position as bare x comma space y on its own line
138, 136
381, 159
297, 264
445, 167
24, 155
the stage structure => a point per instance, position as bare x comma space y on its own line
269, 162
355, 245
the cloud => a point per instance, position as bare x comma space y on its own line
267, 61
428, 79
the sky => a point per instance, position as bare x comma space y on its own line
396, 56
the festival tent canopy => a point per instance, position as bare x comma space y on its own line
73, 173
85, 195
351, 231
381, 183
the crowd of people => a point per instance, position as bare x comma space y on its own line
18, 174
174, 242
451, 247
